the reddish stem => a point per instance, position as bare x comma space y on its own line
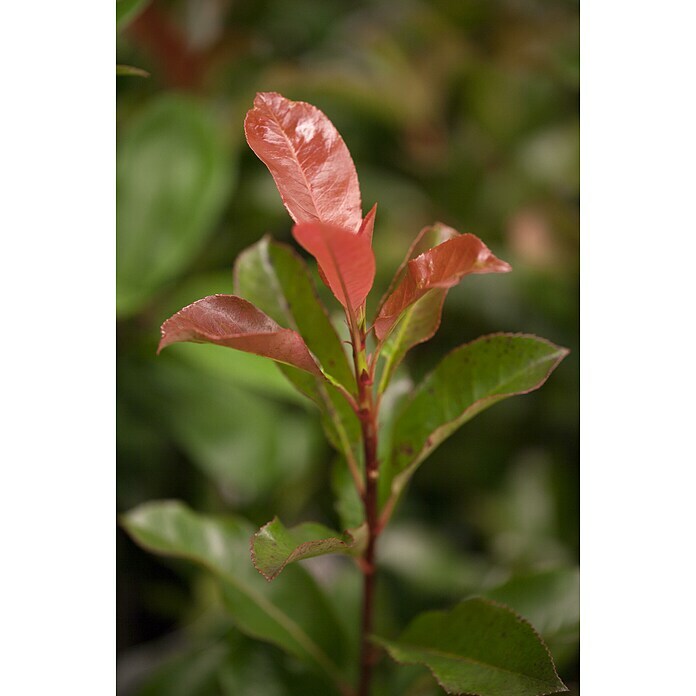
367, 413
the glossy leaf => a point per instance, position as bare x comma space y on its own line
367, 226
347, 501
429, 561
479, 648
246, 369
277, 281
420, 321
293, 614
274, 546
338, 418
468, 380
230, 321
550, 599
234, 435
173, 178
346, 260
418, 324
443, 266
308, 159
131, 71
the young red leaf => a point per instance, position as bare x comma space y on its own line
368, 224
230, 321
345, 260
308, 159
443, 266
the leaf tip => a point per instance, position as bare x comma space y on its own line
263, 98
258, 534
500, 266
166, 338
368, 224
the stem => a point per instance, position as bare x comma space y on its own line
367, 654
367, 413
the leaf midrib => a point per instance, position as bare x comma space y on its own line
297, 161
405, 471
278, 615
493, 393
474, 661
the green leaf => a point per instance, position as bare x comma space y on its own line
132, 71
479, 648
234, 436
442, 266
173, 178
428, 561
256, 671
274, 546
339, 421
520, 519
550, 600
245, 370
293, 614
193, 673
348, 503
417, 325
421, 320
467, 381
275, 279
391, 403
127, 11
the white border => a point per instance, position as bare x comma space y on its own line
57, 219
637, 351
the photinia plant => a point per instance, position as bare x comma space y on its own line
477, 647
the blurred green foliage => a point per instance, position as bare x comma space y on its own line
460, 111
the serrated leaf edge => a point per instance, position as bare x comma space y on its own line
518, 617
352, 547
432, 440
296, 631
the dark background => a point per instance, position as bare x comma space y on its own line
460, 111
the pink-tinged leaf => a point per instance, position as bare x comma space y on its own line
366, 228
345, 259
443, 266
368, 224
230, 321
308, 159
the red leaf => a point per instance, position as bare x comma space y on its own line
308, 159
345, 260
368, 223
366, 228
443, 266
230, 321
